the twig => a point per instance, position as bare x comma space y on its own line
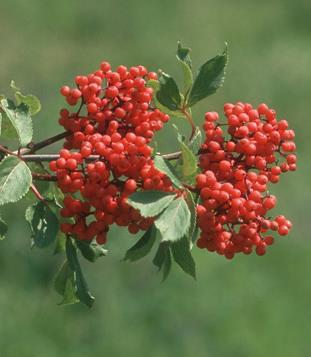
52, 157
42, 144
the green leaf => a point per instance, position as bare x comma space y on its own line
192, 203
155, 85
91, 251
150, 203
0, 122
165, 166
189, 165
183, 56
15, 179
3, 229
196, 141
60, 245
210, 77
174, 222
32, 102
168, 94
189, 162
43, 223
163, 259
64, 284
7, 129
142, 247
20, 118
82, 291
182, 256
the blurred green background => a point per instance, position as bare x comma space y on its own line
251, 306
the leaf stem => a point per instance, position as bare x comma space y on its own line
190, 121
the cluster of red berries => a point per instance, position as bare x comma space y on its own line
115, 121
237, 167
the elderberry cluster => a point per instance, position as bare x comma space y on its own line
115, 121
237, 167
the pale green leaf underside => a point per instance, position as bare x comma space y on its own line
174, 222
150, 203
20, 118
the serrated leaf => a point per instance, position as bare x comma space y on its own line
182, 256
20, 118
43, 223
91, 251
32, 102
150, 203
183, 56
196, 141
15, 179
64, 284
142, 247
155, 85
174, 222
82, 291
7, 129
3, 229
210, 77
163, 259
168, 94
165, 166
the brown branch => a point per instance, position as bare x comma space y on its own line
42, 144
43, 177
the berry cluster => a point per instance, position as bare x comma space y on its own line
118, 123
237, 167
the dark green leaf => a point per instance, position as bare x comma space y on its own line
15, 179
182, 256
165, 166
155, 85
32, 102
210, 77
183, 56
168, 94
163, 259
174, 222
142, 247
91, 251
150, 203
3, 229
64, 284
82, 291
43, 223
20, 118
